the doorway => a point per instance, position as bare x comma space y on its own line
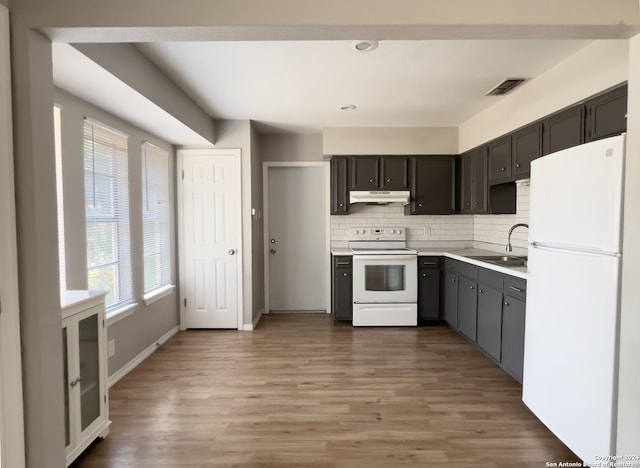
296, 237
210, 238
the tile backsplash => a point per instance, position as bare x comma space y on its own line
481, 231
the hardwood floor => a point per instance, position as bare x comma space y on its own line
299, 392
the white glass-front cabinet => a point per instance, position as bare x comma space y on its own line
85, 370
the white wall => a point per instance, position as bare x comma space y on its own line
629, 382
291, 147
366, 140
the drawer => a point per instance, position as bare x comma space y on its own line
490, 278
451, 265
469, 270
516, 287
428, 262
342, 261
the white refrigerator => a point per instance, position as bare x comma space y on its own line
572, 317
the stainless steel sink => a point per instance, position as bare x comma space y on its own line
502, 260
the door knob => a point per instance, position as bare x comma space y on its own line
232, 252
272, 250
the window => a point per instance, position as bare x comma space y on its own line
57, 128
156, 219
107, 209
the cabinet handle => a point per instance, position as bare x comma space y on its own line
343, 263
476, 203
341, 204
502, 169
429, 263
424, 275
516, 289
370, 181
507, 304
517, 164
419, 204
453, 280
470, 287
388, 180
480, 291
345, 274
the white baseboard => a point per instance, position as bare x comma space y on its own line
252, 326
136, 361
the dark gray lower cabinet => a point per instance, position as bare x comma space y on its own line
450, 293
428, 288
341, 288
489, 322
467, 304
513, 317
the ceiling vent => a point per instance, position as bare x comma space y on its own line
505, 86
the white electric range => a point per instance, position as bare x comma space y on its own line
385, 277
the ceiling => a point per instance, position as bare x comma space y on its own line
299, 86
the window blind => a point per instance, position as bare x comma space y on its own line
156, 211
57, 129
107, 213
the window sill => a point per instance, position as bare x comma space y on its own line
157, 294
120, 313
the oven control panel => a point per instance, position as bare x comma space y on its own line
381, 234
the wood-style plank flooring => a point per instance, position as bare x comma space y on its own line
299, 392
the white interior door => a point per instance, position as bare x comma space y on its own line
210, 199
297, 238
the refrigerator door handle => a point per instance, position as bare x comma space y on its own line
572, 248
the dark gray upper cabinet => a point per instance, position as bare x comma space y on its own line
339, 187
394, 172
428, 288
607, 114
500, 160
379, 172
563, 130
474, 181
341, 288
365, 173
432, 185
526, 145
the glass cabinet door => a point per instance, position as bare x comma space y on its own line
88, 336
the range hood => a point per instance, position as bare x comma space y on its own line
380, 197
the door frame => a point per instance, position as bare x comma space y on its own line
211, 152
11, 406
265, 209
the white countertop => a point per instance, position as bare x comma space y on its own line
71, 298
458, 253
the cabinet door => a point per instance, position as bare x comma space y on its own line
526, 146
394, 173
513, 318
450, 291
500, 160
480, 181
563, 130
607, 114
467, 305
432, 185
339, 186
365, 173
466, 194
489, 327
429, 293
342, 295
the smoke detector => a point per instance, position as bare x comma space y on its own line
505, 86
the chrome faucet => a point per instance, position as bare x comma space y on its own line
509, 249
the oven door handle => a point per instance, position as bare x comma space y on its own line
383, 257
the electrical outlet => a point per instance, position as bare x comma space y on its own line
427, 231
111, 348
